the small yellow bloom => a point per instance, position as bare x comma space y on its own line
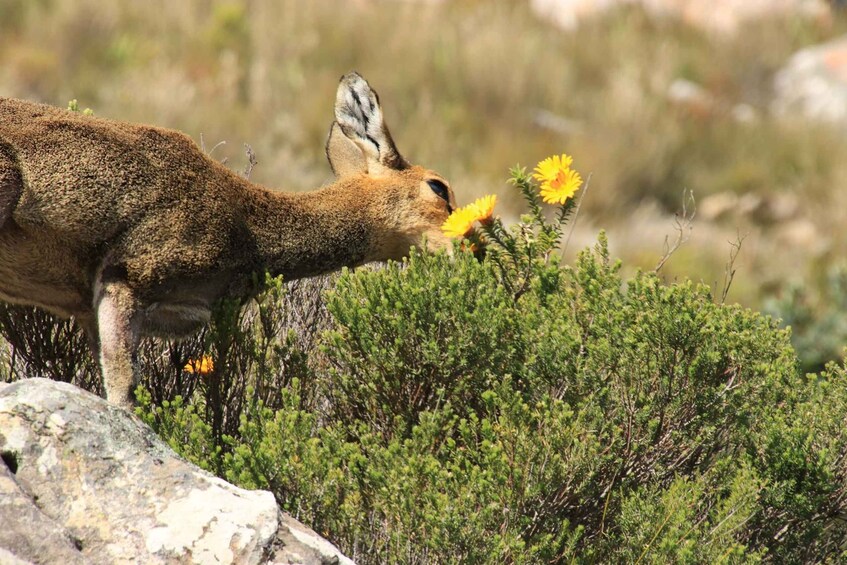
549, 168
483, 208
558, 181
202, 366
460, 223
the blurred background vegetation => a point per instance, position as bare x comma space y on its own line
649, 107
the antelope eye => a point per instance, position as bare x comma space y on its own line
440, 189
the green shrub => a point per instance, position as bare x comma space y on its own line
624, 421
404, 344
815, 314
694, 520
801, 453
517, 410
460, 415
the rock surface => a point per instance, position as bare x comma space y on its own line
724, 16
813, 84
84, 482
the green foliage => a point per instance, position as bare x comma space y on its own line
445, 417
73, 106
255, 358
403, 343
815, 314
448, 418
184, 428
693, 520
802, 454
613, 422
523, 253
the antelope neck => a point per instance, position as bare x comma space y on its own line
304, 234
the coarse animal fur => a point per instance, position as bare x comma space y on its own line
134, 231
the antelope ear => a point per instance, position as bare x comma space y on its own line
343, 154
359, 115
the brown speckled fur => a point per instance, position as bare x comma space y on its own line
135, 231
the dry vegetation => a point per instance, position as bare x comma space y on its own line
470, 87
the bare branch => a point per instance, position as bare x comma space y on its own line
251, 161
212, 150
729, 270
683, 225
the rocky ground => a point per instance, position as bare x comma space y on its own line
85, 482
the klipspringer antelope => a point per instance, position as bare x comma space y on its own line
134, 231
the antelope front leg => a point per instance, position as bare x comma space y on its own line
118, 332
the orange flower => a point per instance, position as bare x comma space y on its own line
202, 366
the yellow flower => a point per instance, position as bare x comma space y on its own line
548, 169
460, 222
558, 181
202, 366
483, 208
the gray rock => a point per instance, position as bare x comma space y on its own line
86, 482
813, 84
21, 519
722, 16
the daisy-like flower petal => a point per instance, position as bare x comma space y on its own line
202, 366
558, 181
548, 169
483, 208
563, 188
460, 223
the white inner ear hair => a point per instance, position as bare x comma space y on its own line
360, 115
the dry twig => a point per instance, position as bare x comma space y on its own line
683, 224
729, 270
251, 161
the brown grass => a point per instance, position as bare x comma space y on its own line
470, 88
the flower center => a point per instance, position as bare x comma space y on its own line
560, 180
